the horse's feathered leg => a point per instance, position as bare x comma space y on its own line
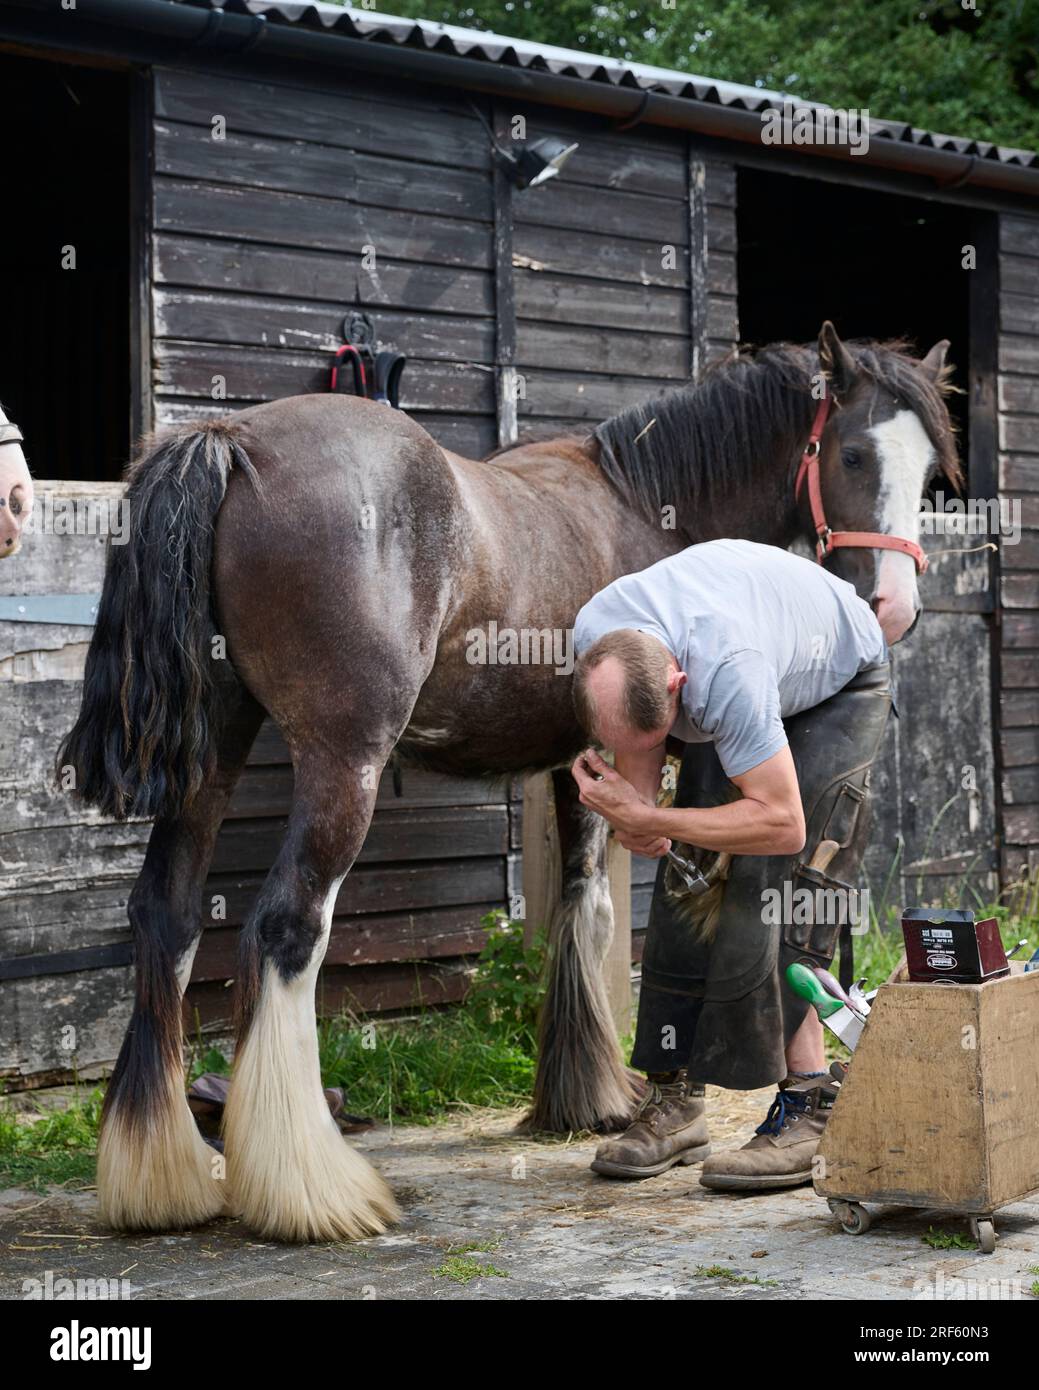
154, 1170
291, 1173
581, 1082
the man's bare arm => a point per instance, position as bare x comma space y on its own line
642, 770
768, 819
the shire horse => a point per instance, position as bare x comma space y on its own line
322, 560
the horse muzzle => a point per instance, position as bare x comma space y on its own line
16, 490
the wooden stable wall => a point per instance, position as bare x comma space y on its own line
1018, 401
65, 983
264, 239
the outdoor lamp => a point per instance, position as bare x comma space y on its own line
536, 161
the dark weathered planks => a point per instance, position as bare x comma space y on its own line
247, 374
395, 836
438, 932
375, 888
341, 278
569, 395
571, 300
357, 991
245, 320
621, 259
264, 789
292, 219
296, 166
569, 207
597, 350
1019, 236
1018, 397
440, 132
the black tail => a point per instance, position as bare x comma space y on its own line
143, 742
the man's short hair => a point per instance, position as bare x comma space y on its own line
646, 665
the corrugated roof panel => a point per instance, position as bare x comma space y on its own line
568, 62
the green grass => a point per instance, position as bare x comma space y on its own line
481, 1054
488, 1246
462, 1270
422, 1069
54, 1149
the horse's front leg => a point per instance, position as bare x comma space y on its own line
581, 1082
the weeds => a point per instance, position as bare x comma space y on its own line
57, 1147
462, 1270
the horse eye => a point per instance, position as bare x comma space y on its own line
851, 459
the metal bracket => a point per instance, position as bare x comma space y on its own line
68, 610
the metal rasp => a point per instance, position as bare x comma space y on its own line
840, 1020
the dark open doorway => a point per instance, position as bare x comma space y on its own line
878, 264
883, 266
65, 349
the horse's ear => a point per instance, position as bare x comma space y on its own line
836, 361
934, 363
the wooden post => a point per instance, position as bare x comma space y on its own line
542, 884
618, 962
697, 264
542, 866
504, 292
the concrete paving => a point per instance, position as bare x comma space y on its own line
489, 1215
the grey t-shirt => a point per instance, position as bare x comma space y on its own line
760, 633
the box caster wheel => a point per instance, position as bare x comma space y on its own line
853, 1216
984, 1232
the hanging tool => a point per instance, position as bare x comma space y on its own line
815, 869
376, 372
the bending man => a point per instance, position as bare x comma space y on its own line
774, 676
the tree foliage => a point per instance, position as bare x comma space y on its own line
937, 64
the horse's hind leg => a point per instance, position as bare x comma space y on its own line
154, 1170
581, 1082
291, 1173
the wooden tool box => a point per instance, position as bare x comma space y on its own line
940, 1107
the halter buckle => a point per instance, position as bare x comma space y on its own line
823, 545
812, 449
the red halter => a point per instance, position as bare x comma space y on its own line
828, 540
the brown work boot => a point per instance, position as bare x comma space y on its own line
669, 1127
781, 1152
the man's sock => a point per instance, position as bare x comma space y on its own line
806, 1075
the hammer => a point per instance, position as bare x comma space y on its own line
815, 869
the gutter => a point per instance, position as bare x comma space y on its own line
219, 32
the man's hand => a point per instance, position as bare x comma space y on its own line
649, 846
604, 790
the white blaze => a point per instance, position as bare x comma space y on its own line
906, 456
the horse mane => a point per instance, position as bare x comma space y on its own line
696, 443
